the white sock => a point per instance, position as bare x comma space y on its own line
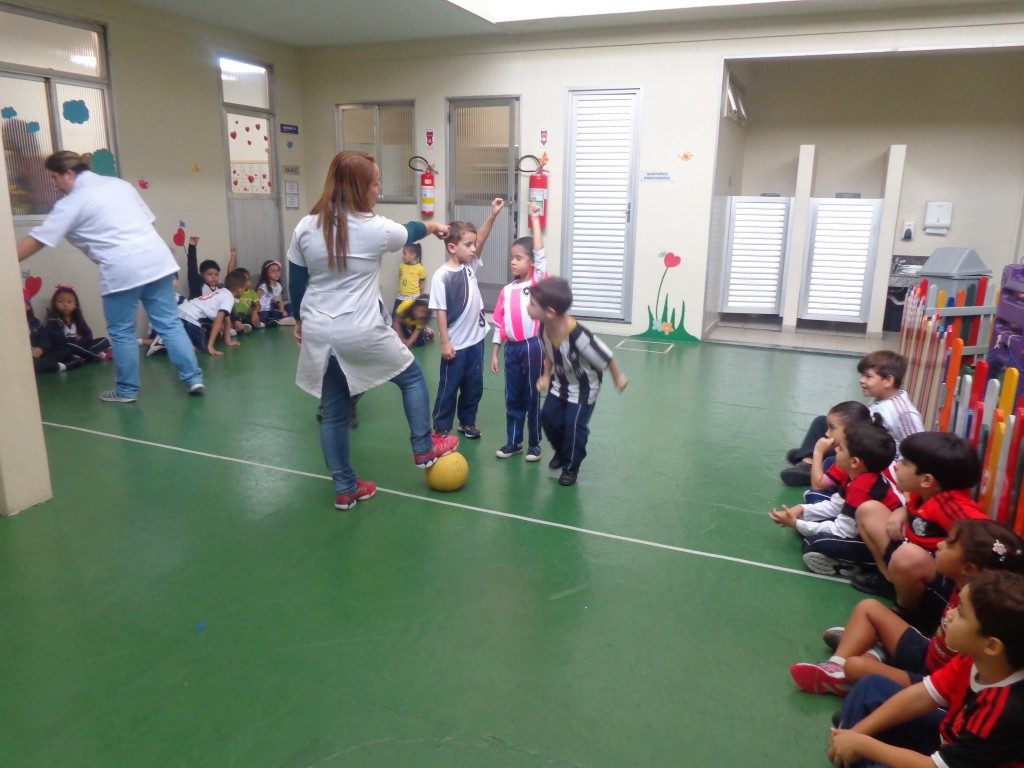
838, 660
877, 652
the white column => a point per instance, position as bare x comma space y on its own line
886, 238
24, 471
797, 248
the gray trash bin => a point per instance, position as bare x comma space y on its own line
953, 269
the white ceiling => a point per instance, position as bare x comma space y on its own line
306, 23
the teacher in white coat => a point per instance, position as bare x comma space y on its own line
108, 221
347, 344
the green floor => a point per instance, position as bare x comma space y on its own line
173, 608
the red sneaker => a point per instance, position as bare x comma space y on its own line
364, 490
442, 445
826, 677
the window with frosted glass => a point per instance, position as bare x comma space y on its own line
387, 132
245, 84
39, 114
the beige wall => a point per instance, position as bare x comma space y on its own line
679, 69
960, 114
167, 115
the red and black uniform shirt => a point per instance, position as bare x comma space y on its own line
984, 724
929, 522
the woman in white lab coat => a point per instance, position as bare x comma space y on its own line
347, 344
107, 220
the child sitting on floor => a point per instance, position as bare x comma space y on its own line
410, 321
215, 307
968, 713
831, 545
273, 310
412, 276
881, 377
65, 337
937, 472
874, 633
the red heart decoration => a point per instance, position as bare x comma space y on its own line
270, 184
233, 134
33, 284
264, 175
235, 182
671, 260
248, 142
266, 138
251, 179
257, 126
179, 237
247, 129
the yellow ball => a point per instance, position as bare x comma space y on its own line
449, 473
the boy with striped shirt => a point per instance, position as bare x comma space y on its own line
574, 360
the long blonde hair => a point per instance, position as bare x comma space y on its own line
347, 188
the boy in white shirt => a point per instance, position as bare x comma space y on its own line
455, 295
215, 307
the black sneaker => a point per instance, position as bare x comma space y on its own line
832, 636
567, 478
556, 462
533, 453
793, 455
873, 582
797, 476
508, 450
470, 432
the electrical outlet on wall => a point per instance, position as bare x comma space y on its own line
908, 229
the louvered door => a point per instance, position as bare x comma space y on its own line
755, 254
840, 259
600, 196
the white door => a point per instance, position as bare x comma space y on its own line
840, 261
600, 197
755, 254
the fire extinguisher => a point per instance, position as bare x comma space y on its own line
538, 184
427, 181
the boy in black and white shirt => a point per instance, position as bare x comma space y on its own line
574, 360
455, 295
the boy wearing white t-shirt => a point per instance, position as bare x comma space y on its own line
455, 295
215, 307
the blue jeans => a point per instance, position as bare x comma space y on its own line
920, 735
460, 388
158, 299
336, 404
566, 425
524, 361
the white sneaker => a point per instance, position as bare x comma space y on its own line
156, 346
816, 562
286, 321
259, 325
246, 327
234, 332
197, 389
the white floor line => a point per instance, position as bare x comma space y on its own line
456, 505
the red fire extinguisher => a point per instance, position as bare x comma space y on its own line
538, 185
427, 181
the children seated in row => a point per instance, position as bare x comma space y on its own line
936, 472
882, 374
273, 310
215, 307
65, 340
969, 712
831, 543
524, 356
412, 276
878, 641
410, 321
574, 360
